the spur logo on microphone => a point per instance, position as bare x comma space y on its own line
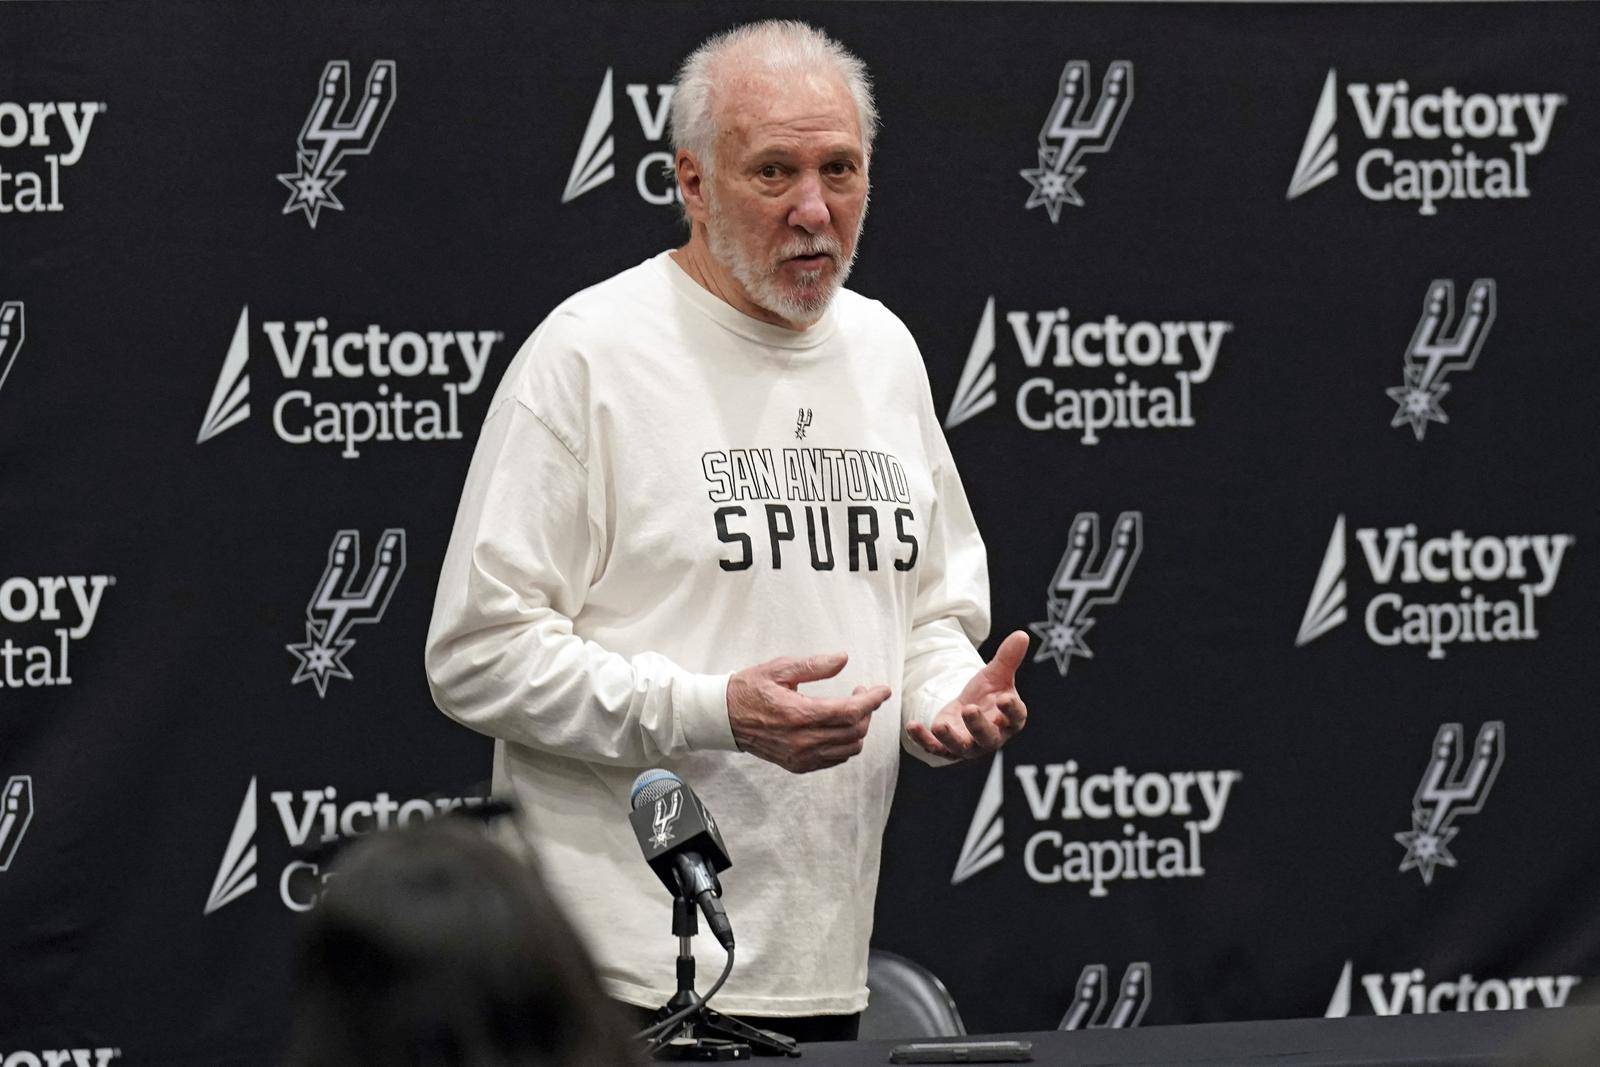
1092, 995
1447, 791
1435, 352
1072, 129
337, 605
61, 129
1080, 585
16, 812
50, 614
307, 818
1066, 805
354, 405
13, 331
595, 164
1106, 373
1418, 142
333, 132
667, 810
1441, 603
1408, 992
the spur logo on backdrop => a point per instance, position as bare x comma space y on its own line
1410, 993
1442, 602
38, 140
306, 353
1105, 373
1093, 1006
1453, 784
308, 818
13, 331
16, 812
338, 604
1080, 584
1418, 142
1074, 127
1066, 805
596, 160
333, 132
48, 614
1442, 344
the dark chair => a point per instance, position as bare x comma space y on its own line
906, 1001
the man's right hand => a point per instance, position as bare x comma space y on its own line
772, 720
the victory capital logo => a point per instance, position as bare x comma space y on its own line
333, 132
595, 163
1441, 601
1073, 129
336, 605
1418, 142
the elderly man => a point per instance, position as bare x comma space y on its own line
715, 459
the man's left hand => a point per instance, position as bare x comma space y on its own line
986, 715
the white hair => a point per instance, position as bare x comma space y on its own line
776, 46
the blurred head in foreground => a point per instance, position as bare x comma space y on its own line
433, 946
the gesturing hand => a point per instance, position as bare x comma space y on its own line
770, 718
986, 715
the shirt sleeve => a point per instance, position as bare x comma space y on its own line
951, 611
501, 654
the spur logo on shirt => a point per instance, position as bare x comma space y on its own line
1419, 142
306, 352
1066, 805
13, 331
333, 132
852, 507
1441, 603
16, 812
1093, 1006
1079, 584
47, 137
337, 604
1106, 373
1074, 128
50, 614
1436, 351
308, 818
595, 162
1447, 791
1408, 992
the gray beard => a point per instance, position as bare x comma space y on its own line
760, 280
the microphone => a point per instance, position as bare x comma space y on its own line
681, 843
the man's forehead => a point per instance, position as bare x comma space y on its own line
761, 108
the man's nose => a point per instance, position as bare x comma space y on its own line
810, 211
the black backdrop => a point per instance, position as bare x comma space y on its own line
158, 781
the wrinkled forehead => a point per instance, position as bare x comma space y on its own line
802, 109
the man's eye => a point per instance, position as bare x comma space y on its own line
771, 171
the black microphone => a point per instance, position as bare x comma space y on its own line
682, 844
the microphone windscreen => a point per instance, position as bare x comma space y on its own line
651, 786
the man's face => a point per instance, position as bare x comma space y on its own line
788, 194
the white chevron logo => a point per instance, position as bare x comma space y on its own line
16, 812
13, 331
229, 400
1317, 156
1325, 610
984, 846
975, 390
236, 875
593, 167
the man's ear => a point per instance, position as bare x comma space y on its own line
691, 182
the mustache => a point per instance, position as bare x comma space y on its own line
812, 245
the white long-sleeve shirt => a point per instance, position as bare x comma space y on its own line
666, 491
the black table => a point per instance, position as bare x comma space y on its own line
1538, 1036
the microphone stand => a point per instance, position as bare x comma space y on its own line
704, 1034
